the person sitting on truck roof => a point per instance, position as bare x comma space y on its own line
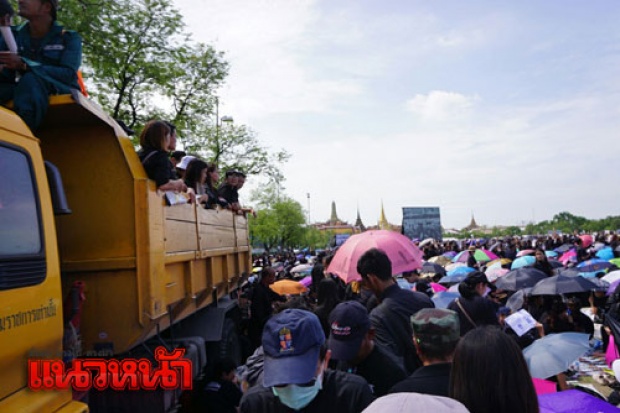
154, 141
46, 62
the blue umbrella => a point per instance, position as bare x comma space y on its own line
444, 298
460, 271
594, 265
553, 353
525, 261
551, 253
605, 254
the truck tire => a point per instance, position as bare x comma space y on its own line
228, 346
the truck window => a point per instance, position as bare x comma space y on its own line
20, 229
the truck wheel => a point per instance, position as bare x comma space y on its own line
228, 346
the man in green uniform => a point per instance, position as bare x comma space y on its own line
46, 61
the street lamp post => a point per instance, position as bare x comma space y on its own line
218, 126
308, 194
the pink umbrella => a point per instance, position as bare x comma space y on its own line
306, 281
525, 252
586, 240
568, 256
495, 272
438, 287
403, 254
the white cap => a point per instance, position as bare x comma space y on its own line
415, 402
185, 161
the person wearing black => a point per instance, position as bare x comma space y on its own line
471, 259
542, 263
222, 394
391, 318
261, 308
213, 175
472, 307
327, 300
436, 333
351, 342
228, 190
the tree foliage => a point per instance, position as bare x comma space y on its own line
283, 225
140, 64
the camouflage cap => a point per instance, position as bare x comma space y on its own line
436, 325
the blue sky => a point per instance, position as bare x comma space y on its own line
507, 109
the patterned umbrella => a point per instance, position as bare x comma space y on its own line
481, 255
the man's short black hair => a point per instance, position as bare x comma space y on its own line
374, 261
240, 174
230, 173
178, 155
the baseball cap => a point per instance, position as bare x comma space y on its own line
185, 161
348, 323
436, 325
292, 342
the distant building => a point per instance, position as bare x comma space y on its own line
336, 226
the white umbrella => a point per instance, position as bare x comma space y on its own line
612, 276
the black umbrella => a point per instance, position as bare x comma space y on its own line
563, 284
523, 277
555, 264
433, 268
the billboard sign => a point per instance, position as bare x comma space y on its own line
422, 223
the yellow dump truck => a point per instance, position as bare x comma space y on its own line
77, 207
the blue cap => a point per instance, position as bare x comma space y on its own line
292, 343
349, 323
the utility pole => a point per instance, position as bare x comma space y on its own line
308, 195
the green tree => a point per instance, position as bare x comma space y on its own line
280, 225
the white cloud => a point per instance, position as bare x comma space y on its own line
441, 105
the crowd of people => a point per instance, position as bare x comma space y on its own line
381, 344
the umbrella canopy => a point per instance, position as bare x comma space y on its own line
451, 267
499, 262
302, 268
427, 241
572, 272
523, 253
481, 255
605, 253
615, 261
460, 271
551, 254
494, 273
444, 298
594, 265
555, 264
586, 240
568, 256
525, 261
430, 267
451, 279
516, 301
553, 353
612, 276
575, 401
562, 284
288, 287
440, 259
520, 278
450, 254
563, 248
403, 254
306, 281
437, 288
